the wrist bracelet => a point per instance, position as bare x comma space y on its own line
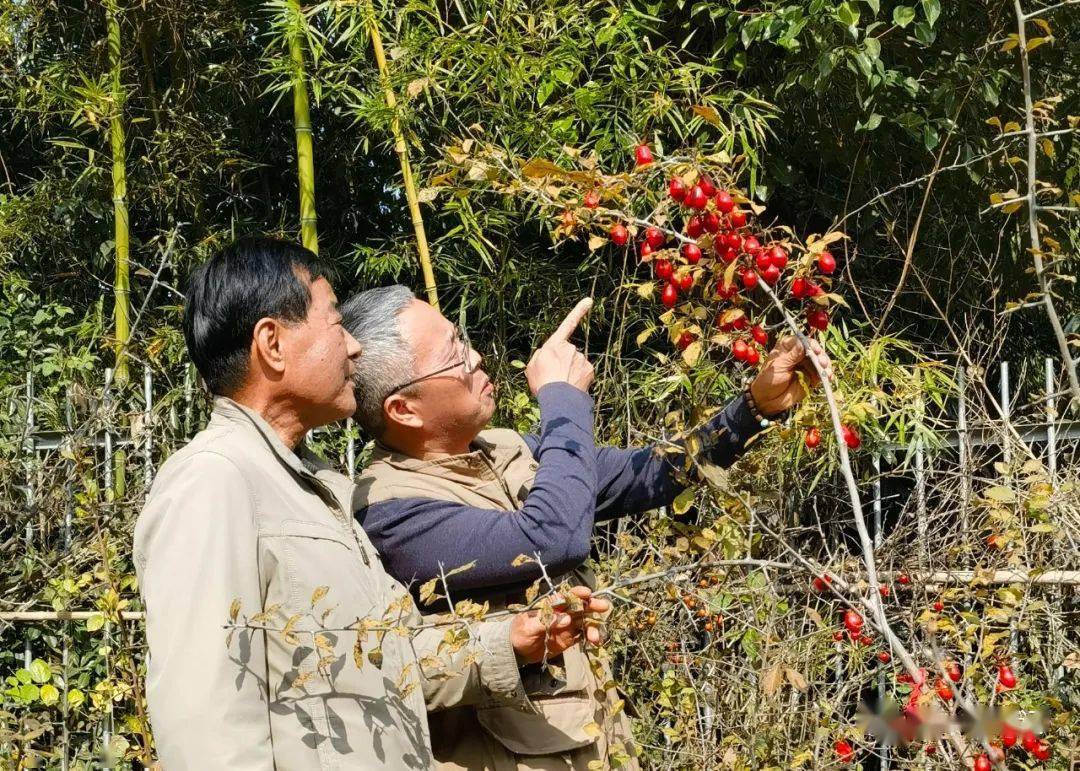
755, 411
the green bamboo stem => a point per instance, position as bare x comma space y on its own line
305, 154
121, 239
403, 158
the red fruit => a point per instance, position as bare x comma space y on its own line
753, 356
676, 189
1008, 735
1029, 740
838, 636
643, 155
844, 751
696, 198
727, 255
982, 763
943, 690
664, 270
692, 253
762, 261
733, 240
724, 202
819, 584
726, 291
798, 287
853, 621
655, 236
761, 337
884, 590
931, 749
812, 439
749, 279
707, 187
569, 219
685, 339
904, 579
884, 657
817, 318
953, 671
826, 263
645, 250
1042, 751
591, 199
779, 256
694, 226
619, 235
737, 218
741, 322
751, 245
939, 606
711, 222
739, 349
669, 296
851, 437
771, 274
1006, 676
686, 283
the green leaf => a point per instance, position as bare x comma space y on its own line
40, 671
49, 694
903, 15
932, 9
683, 501
875, 5
848, 14
76, 698
544, 92
873, 122
23, 676
95, 622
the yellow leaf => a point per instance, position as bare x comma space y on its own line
1035, 42
1047, 147
234, 610
461, 569
427, 591
592, 729
708, 114
1012, 42
692, 353
1011, 126
683, 501
1001, 494
645, 291
287, 632
522, 559
994, 121
416, 86
595, 242
1044, 25
645, 334
358, 651
318, 594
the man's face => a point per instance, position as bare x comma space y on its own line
455, 402
320, 356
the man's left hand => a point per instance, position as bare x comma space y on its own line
777, 386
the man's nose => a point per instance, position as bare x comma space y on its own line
352, 347
475, 358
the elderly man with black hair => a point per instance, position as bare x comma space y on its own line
444, 490
244, 524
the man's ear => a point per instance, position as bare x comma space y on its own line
398, 410
267, 345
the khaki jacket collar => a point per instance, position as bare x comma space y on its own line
486, 461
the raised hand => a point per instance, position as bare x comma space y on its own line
557, 360
777, 386
534, 638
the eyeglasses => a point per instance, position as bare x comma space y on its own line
465, 362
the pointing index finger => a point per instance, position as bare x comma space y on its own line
570, 323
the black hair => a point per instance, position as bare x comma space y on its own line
251, 279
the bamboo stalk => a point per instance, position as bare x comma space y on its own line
121, 283
403, 158
305, 154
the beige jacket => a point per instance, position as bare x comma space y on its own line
236, 516
560, 731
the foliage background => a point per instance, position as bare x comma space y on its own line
841, 111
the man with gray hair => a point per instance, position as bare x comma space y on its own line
442, 490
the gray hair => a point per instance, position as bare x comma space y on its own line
386, 360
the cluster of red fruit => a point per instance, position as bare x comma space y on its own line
716, 242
